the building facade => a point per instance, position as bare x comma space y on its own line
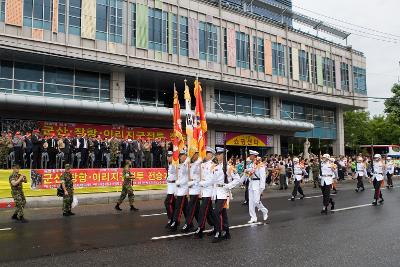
116, 62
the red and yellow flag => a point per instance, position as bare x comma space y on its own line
200, 132
178, 142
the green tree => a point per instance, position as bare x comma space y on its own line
392, 105
355, 125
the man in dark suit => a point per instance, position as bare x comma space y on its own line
52, 150
97, 152
67, 149
125, 150
28, 150
84, 148
36, 146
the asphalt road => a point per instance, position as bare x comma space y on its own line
296, 234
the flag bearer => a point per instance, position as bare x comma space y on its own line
171, 189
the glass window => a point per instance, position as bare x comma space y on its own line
61, 15
259, 107
329, 74
242, 50
105, 82
28, 72
158, 29
226, 102
37, 14
313, 66
344, 75
2, 9
184, 36
6, 69
58, 76
360, 80
86, 79
243, 104
175, 33
303, 65
225, 47
133, 24
74, 17
208, 41
148, 97
109, 20
258, 54
278, 59
290, 63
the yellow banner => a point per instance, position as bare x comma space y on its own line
5, 191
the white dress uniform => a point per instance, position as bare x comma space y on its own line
194, 194
298, 173
207, 182
171, 191
182, 179
182, 189
327, 175
361, 172
389, 173
379, 167
194, 183
171, 179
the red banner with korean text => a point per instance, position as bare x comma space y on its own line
105, 131
50, 178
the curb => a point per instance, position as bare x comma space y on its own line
109, 198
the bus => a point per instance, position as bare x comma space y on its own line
392, 151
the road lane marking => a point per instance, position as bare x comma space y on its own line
206, 231
154, 214
307, 197
5, 229
353, 207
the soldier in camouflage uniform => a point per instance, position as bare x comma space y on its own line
315, 171
17, 193
127, 188
68, 186
114, 146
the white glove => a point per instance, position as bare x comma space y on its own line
178, 182
190, 183
202, 183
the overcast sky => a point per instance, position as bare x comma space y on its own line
382, 57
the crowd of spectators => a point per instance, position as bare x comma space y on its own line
33, 150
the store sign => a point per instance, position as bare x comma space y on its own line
50, 178
240, 139
105, 131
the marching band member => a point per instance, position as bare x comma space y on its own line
389, 172
336, 176
206, 187
181, 190
326, 176
378, 168
194, 192
361, 170
222, 194
257, 177
298, 172
171, 190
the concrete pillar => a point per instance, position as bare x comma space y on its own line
117, 87
277, 144
208, 97
338, 144
275, 107
211, 138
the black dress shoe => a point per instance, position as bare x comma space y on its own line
117, 207
374, 203
71, 213
133, 208
302, 197
216, 239
332, 205
245, 203
381, 201
14, 217
186, 228
23, 220
362, 189
356, 190
292, 198
198, 234
173, 227
324, 211
211, 233
65, 214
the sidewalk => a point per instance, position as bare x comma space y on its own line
108, 198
